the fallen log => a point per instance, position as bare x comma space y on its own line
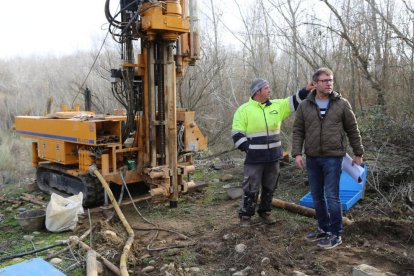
12, 201
295, 208
33, 199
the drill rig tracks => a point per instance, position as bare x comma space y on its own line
54, 178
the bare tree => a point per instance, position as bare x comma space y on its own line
400, 34
363, 60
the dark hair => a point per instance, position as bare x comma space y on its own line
321, 71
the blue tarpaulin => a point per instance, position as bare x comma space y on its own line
33, 267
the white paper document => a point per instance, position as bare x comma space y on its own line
354, 171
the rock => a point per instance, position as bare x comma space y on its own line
21, 210
240, 248
243, 272
226, 177
195, 269
145, 256
110, 233
112, 237
226, 237
298, 273
366, 243
217, 167
28, 237
366, 270
55, 261
40, 242
148, 269
262, 273
172, 252
265, 261
234, 192
164, 267
100, 267
32, 187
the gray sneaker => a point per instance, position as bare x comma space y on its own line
319, 234
245, 221
267, 218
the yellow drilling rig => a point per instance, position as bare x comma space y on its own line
153, 142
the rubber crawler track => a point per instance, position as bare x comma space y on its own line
53, 178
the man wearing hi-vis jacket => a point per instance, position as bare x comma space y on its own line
256, 131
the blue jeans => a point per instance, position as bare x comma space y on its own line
324, 174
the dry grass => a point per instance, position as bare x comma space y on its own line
15, 159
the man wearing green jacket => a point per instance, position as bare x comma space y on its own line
323, 122
256, 131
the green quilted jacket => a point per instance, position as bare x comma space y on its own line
327, 136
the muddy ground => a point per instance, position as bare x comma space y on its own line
206, 232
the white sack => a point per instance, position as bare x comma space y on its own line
62, 213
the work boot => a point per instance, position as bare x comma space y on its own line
267, 218
244, 221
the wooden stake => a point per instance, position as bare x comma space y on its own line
91, 264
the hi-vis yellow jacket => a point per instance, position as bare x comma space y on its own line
256, 127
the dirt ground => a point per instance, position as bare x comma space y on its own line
204, 232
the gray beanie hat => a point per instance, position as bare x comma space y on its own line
256, 85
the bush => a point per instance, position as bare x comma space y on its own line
15, 159
389, 154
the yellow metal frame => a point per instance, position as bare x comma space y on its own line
74, 137
69, 130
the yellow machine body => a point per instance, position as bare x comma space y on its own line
158, 149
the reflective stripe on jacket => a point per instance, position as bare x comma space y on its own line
256, 128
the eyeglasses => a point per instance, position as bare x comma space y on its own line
327, 81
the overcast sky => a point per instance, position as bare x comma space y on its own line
50, 27
59, 27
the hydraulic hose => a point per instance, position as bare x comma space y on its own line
124, 257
